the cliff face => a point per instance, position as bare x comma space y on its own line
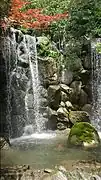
3, 95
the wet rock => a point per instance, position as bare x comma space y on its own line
44, 102
83, 134
30, 101
87, 108
19, 36
28, 175
62, 169
87, 62
44, 93
53, 118
48, 71
62, 104
68, 105
4, 143
64, 96
58, 175
61, 126
95, 177
76, 90
62, 112
85, 76
54, 96
48, 170
66, 77
83, 99
78, 116
18, 101
66, 89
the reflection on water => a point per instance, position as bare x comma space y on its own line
43, 150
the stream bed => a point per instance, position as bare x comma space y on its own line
46, 150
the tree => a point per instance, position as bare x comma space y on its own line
85, 18
22, 14
4, 8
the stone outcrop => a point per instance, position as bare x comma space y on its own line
78, 116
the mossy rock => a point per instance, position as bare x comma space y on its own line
83, 133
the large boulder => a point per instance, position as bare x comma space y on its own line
66, 77
83, 134
54, 96
48, 71
78, 116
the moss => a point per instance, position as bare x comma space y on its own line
83, 132
45, 48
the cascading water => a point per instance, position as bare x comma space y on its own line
9, 54
96, 84
33, 64
24, 100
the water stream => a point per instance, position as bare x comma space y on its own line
96, 85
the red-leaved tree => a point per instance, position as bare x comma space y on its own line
31, 18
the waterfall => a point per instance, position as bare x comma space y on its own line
33, 64
23, 84
9, 53
96, 84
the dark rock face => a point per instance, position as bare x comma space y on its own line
54, 96
3, 94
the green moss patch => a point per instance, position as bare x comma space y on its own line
83, 132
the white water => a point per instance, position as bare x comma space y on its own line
9, 54
33, 137
96, 86
33, 64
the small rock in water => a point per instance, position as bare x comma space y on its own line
48, 170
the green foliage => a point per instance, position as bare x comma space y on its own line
50, 7
85, 17
4, 7
45, 49
98, 48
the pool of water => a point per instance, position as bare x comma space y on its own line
45, 150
